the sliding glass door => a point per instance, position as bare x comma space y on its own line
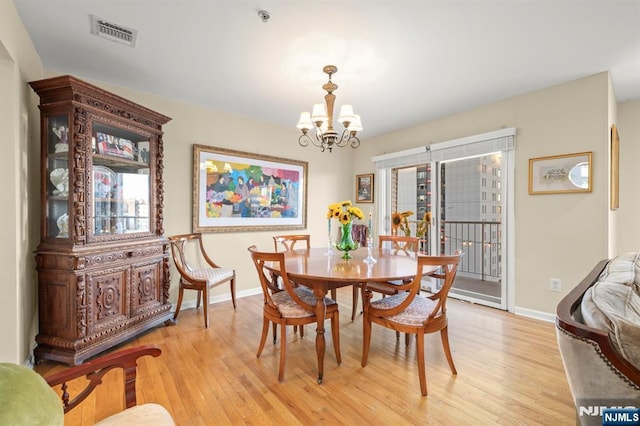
469, 218
466, 186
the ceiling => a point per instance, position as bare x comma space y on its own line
400, 62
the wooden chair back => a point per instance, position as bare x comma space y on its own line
189, 254
399, 244
288, 242
270, 281
447, 267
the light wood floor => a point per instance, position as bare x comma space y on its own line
509, 373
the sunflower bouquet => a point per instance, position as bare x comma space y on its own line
345, 213
423, 226
400, 222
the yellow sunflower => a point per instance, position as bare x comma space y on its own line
399, 221
423, 226
344, 212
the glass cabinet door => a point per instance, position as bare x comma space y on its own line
121, 179
57, 173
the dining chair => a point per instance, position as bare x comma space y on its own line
198, 271
410, 312
398, 244
289, 305
289, 242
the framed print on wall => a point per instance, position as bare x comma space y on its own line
560, 174
239, 191
615, 164
364, 188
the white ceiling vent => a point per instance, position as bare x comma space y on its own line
113, 32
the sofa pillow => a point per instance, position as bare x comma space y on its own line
26, 398
591, 315
623, 269
612, 304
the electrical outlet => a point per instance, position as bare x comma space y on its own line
556, 284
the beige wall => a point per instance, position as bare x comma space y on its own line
558, 236
19, 132
629, 132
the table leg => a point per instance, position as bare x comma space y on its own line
321, 311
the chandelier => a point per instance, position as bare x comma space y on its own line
321, 121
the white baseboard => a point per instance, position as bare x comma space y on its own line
539, 315
530, 313
188, 304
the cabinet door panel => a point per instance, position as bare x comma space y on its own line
109, 297
146, 286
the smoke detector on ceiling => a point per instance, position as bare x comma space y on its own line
114, 32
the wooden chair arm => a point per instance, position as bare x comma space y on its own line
95, 370
206, 256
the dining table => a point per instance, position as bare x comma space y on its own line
321, 272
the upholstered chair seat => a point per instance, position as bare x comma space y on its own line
289, 308
413, 315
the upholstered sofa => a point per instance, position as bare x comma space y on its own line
598, 331
26, 398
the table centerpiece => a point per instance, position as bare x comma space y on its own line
345, 212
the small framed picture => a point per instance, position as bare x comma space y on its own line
364, 188
615, 165
114, 146
560, 174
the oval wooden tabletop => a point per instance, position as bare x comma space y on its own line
315, 264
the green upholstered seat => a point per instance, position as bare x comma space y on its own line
27, 399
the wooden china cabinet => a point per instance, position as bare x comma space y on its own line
103, 262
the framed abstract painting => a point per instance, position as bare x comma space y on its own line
236, 191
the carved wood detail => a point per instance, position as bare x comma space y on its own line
79, 168
81, 306
108, 298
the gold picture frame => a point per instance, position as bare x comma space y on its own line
615, 164
561, 173
236, 191
364, 188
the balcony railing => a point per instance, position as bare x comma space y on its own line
481, 243
479, 240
